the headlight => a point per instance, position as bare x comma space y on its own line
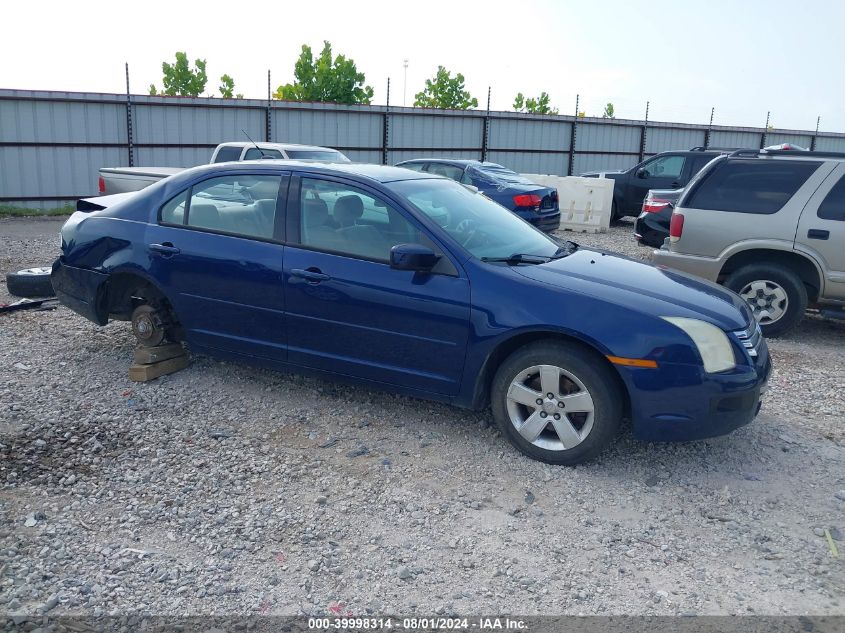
712, 343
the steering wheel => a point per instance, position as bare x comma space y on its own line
467, 230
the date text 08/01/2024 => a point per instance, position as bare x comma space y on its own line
481, 623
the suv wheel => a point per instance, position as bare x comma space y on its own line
614, 212
557, 402
775, 294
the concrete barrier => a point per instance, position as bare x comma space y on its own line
585, 203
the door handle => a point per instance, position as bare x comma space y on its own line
165, 248
314, 275
675, 185
818, 234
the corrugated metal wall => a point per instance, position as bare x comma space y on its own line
53, 143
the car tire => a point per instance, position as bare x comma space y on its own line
614, 212
30, 282
568, 437
772, 289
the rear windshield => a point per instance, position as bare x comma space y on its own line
750, 186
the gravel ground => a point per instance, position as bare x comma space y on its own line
230, 490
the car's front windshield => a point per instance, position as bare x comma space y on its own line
483, 227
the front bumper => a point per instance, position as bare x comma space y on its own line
705, 267
79, 290
682, 402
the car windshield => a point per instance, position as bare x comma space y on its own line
483, 227
313, 154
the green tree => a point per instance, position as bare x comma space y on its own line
608, 112
540, 105
445, 91
227, 87
328, 79
180, 79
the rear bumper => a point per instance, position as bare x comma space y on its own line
79, 289
649, 231
705, 267
543, 221
695, 405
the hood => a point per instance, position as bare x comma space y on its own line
642, 287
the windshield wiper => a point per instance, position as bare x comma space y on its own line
567, 248
519, 258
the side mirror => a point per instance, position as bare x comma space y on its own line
413, 257
642, 172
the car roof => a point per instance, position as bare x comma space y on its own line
378, 173
281, 146
453, 161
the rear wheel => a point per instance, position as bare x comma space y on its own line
557, 402
148, 326
776, 296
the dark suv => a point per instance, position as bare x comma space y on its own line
667, 170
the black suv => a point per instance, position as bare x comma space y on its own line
666, 170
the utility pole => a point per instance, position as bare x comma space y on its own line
405, 82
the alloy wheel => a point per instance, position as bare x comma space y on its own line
550, 407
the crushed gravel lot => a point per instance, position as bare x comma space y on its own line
231, 490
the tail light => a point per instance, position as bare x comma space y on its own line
676, 227
101, 184
654, 205
527, 200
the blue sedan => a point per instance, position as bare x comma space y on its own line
534, 203
394, 279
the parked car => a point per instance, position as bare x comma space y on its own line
770, 225
113, 180
535, 203
667, 170
652, 225
398, 280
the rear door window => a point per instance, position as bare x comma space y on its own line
751, 186
450, 171
243, 205
833, 205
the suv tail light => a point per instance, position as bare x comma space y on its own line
676, 227
101, 185
527, 200
654, 205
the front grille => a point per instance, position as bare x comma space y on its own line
750, 338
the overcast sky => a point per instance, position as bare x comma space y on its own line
743, 58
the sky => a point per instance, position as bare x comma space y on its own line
743, 58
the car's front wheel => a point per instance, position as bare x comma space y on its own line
557, 402
776, 296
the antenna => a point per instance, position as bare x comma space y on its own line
261, 151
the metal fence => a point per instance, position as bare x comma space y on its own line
53, 143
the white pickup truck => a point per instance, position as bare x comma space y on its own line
124, 179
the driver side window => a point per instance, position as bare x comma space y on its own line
665, 167
343, 219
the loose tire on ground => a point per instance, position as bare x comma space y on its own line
758, 284
30, 282
586, 433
